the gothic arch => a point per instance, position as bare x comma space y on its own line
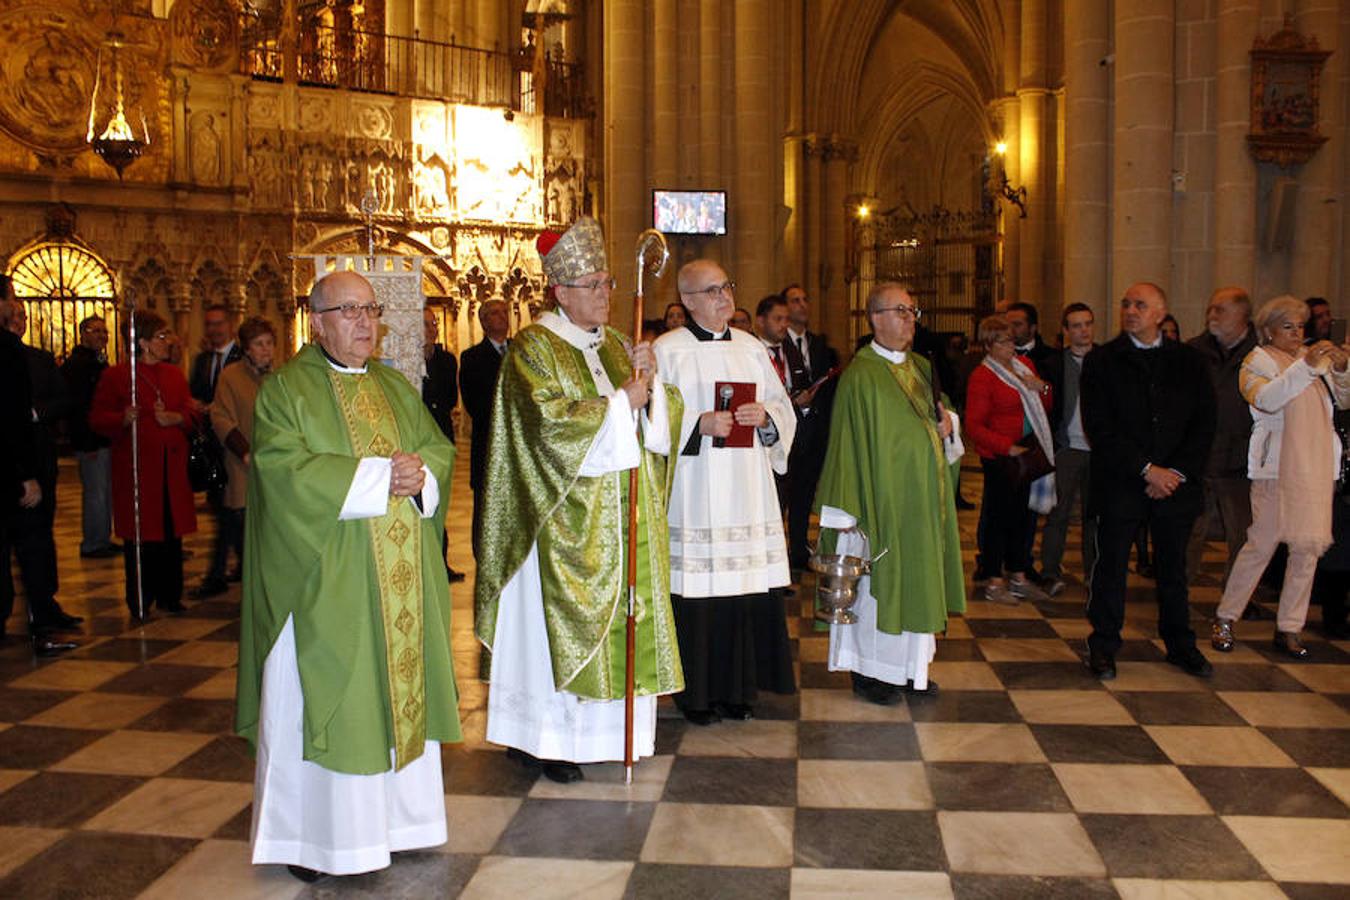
438, 275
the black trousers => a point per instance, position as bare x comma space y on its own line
1006, 521
1106, 594
220, 547
801, 494
731, 648
26, 535
162, 574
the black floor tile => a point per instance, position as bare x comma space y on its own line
159, 680
1098, 744
17, 704
651, 881
1300, 891
188, 714
1139, 651
577, 829
37, 746
868, 839
94, 865
963, 706
1187, 847
1052, 676
239, 828
1178, 708
1236, 791
857, 740
1011, 628
134, 650
1254, 677
228, 632
780, 707
1004, 887
669, 733
1318, 747
484, 772
1319, 652
61, 799
996, 787
818, 675
410, 876
958, 650
224, 759
709, 779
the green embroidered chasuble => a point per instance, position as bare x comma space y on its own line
885, 465
369, 597
546, 412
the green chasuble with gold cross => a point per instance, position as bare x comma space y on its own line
886, 467
546, 412
369, 597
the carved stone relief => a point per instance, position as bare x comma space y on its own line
48, 60
205, 34
205, 149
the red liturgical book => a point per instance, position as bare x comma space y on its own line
741, 392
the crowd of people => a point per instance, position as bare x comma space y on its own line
642, 510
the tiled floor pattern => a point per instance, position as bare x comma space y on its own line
1024, 777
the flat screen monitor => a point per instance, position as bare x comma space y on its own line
689, 212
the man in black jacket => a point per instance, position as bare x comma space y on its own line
1227, 492
477, 379
813, 418
1148, 406
82, 370
222, 349
440, 394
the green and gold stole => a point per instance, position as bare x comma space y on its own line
396, 539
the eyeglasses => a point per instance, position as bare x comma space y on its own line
905, 312
594, 286
352, 311
714, 290
161, 335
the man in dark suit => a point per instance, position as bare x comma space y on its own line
82, 370
1226, 342
1064, 371
477, 380
440, 395
222, 349
1026, 334
29, 512
1148, 407
813, 419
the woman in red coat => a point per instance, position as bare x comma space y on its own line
166, 416
996, 419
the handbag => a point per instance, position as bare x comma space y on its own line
206, 469
1025, 468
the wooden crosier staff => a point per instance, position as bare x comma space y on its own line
649, 240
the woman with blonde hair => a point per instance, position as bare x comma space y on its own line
1293, 390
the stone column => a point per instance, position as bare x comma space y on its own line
839, 155
1315, 269
811, 192
753, 201
1087, 157
624, 130
710, 92
665, 95
1142, 205
1006, 112
1034, 153
1234, 169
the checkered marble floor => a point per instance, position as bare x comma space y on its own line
1024, 777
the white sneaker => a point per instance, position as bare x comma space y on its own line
1025, 590
999, 593
1056, 587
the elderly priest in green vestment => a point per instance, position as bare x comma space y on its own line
345, 684
888, 474
552, 577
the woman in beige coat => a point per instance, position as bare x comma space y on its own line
232, 417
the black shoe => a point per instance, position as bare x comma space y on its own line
527, 760
874, 691
1288, 643
1191, 661
736, 712
176, 610
562, 772
963, 503
101, 553
455, 577
46, 645
1102, 664
211, 587
308, 876
57, 621
930, 691
702, 716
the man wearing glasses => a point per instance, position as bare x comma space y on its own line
889, 475
551, 591
346, 688
1149, 412
728, 555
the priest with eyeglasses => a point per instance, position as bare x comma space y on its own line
346, 688
728, 552
576, 408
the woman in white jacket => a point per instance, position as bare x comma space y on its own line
1292, 390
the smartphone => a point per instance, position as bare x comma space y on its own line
1337, 333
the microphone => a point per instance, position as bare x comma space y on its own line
724, 396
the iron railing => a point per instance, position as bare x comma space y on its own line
357, 60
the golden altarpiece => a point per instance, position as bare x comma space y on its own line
266, 123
